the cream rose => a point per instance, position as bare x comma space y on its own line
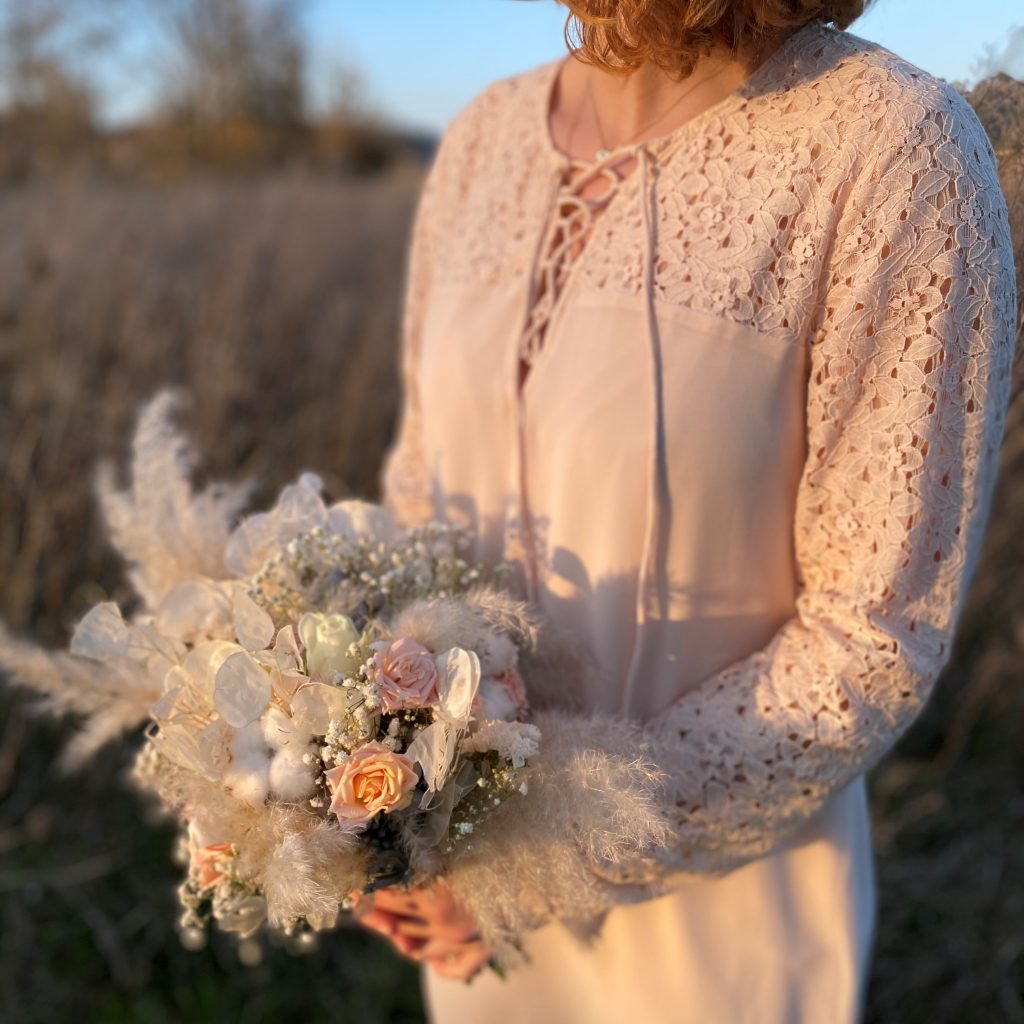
407, 675
327, 639
373, 779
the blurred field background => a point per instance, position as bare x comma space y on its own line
238, 247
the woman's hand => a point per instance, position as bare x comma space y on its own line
425, 924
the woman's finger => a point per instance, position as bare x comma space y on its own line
397, 900
439, 946
378, 921
452, 931
386, 924
407, 945
425, 925
462, 965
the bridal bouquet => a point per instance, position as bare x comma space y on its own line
333, 704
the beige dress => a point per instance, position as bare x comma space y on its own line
750, 469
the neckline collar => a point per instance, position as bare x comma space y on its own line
755, 83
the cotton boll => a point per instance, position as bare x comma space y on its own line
497, 654
290, 778
249, 783
496, 702
274, 728
248, 740
248, 774
281, 731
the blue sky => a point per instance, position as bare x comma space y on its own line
420, 60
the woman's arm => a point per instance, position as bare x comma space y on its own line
908, 393
909, 381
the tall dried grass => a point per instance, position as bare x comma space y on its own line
270, 300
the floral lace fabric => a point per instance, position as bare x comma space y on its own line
847, 201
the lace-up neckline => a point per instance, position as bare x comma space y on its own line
571, 215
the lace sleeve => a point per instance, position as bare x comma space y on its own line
908, 391
907, 395
404, 476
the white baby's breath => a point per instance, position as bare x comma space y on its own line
515, 742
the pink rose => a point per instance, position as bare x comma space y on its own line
407, 675
373, 779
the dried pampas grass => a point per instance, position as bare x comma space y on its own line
167, 532
579, 843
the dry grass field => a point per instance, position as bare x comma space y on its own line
276, 302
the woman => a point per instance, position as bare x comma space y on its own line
709, 329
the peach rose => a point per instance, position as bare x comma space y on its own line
373, 779
207, 863
407, 675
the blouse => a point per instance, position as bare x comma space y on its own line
751, 465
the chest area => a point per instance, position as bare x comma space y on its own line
621, 300
739, 233
727, 399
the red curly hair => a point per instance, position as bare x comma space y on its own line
619, 35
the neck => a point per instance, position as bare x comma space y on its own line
626, 103
593, 108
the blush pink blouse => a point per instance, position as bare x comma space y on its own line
750, 470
